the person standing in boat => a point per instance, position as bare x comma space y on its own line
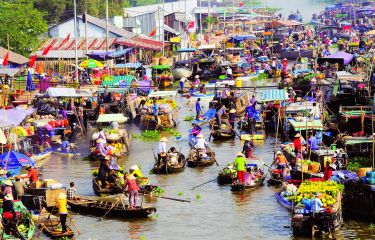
61, 205
104, 171
196, 130
162, 149
182, 83
32, 175
281, 162
297, 142
312, 143
232, 117
201, 144
198, 109
155, 110
132, 187
102, 134
240, 165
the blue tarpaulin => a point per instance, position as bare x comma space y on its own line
13, 161
237, 39
129, 65
120, 53
187, 50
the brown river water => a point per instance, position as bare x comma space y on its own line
214, 212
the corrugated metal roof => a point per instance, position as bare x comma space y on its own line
13, 57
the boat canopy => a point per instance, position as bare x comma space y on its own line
315, 124
115, 117
14, 117
270, 95
66, 92
163, 94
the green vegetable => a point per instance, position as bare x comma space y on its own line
189, 118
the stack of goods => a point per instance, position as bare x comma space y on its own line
167, 105
59, 123
308, 166
327, 191
370, 178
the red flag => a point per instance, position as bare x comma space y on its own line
241, 4
47, 49
67, 38
190, 25
153, 33
32, 61
6, 58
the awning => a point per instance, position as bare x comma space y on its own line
187, 50
171, 30
274, 95
120, 53
237, 39
129, 65
357, 140
163, 94
120, 81
315, 124
299, 107
66, 92
117, 117
342, 55
13, 117
9, 71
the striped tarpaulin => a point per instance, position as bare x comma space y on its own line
274, 95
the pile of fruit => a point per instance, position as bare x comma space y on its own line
163, 103
327, 191
59, 123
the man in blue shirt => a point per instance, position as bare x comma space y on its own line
312, 142
155, 110
198, 109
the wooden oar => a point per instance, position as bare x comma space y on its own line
174, 199
204, 183
113, 205
74, 224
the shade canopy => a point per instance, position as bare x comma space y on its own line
13, 117
91, 63
67, 92
274, 95
117, 117
347, 57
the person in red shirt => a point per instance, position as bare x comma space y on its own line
297, 142
132, 187
328, 169
32, 175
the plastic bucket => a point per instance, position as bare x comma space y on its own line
333, 147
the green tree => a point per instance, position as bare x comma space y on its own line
54, 10
23, 23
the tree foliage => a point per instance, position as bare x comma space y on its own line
23, 23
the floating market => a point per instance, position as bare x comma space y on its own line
188, 119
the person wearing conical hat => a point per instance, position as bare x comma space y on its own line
8, 197
240, 165
201, 142
132, 187
61, 205
297, 142
162, 149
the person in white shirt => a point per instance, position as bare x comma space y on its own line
229, 72
162, 148
201, 142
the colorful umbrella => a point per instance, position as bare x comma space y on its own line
91, 63
13, 161
29, 83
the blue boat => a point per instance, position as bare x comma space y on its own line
284, 202
210, 114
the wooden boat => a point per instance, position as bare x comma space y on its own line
69, 153
98, 190
224, 133
42, 155
167, 167
238, 187
97, 207
329, 220
276, 177
52, 228
25, 224
196, 158
227, 175
283, 201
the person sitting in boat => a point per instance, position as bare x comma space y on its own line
65, 146
162, 149
173, 155
111, 154
201, 144
316, 204
240, 165
203, 89
132, 187
219, 114
281, 161
115, 125
196, 130
248, 148
71, 191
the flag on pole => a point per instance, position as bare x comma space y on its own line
190, 26
6, 58
241, 4
32, 61
153, 33
47, 49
